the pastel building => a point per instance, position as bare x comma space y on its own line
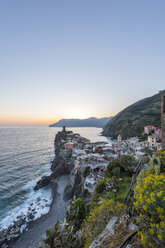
152, 140
69, 146
158, 135
149, 129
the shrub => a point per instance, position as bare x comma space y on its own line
62, 237
161, 157
76, 212
149, 203
103, 185
98, 219
157, 162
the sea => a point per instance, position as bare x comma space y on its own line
26, 153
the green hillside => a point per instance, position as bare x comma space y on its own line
131, 121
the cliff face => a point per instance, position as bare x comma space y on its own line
61, 165
74, 187
131, 121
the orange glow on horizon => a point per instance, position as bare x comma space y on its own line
28, 121
21, 120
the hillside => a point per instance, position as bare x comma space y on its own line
131, 121
90, 122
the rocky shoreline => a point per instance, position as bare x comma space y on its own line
22, 221
61, 165
35, 231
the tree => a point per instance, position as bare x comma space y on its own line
120, 167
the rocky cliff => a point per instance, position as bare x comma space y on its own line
131, 121
61, 165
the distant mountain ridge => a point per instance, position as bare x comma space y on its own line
89, 122
130, 122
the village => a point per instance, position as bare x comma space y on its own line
95, 157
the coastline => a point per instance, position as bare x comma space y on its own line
61, 166
36, 230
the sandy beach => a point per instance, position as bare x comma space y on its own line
36, 230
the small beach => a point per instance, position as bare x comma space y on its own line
36, 230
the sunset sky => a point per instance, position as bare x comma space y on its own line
78, 58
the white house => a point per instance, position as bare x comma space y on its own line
152, 140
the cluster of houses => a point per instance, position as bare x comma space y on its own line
98, 155
154, 135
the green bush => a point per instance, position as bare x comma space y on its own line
76, 213
62, 237
103, 185
121, 167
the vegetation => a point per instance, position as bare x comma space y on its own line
121, 233
130, 122
150, 206
62, 237
112, 188
68, 234
104, 185
76, 213
87, 171
84, 222
98, 219
121, 167
143, 137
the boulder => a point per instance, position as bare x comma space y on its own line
44, 181
133, 227
109, 230
129, 246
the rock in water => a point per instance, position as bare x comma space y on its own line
44, 181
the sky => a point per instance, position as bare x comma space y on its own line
78, 58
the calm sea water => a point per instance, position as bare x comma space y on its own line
25, 155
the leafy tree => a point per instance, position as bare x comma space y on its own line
120, 167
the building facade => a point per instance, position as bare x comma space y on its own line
163, 118
119, 139
149, 129
152, 140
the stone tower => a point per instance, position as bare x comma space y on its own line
163, 118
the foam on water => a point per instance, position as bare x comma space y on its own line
24, 156
37, 202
